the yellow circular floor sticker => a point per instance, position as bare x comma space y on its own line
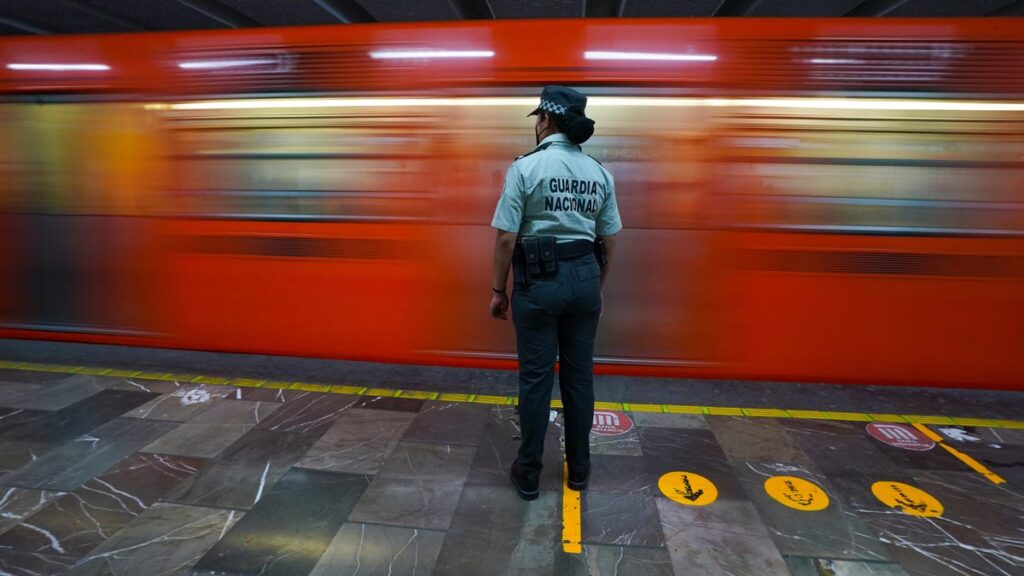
796, 493
907, 499
688, 488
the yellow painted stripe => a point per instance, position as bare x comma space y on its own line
896, 418
572, 526
311, 387
724, 411
809, 414
672, 409
966, 459
765, 413
641, 407
849, 416
928, 432
509, 401
975, 465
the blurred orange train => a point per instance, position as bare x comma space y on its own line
833, 200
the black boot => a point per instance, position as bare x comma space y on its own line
579, 476
526, 486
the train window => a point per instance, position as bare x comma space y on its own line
352, 167
909, 174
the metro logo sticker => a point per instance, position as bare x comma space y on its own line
900, 436
688, 488
907, 499
796, 493
611, 423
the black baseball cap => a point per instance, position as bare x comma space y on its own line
558, 100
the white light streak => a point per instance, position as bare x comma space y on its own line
836, 61
214, 64
60, 67
607, 101
650, 56
424, 54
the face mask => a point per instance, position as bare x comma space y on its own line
536, 132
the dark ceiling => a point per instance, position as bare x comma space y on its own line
91, 16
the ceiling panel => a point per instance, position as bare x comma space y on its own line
161, 14
537, 8
667, 8
410, 11
819, 8
282, 13
57, 16
947, 7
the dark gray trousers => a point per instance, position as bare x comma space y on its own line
557, 316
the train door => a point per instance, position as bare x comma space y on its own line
82, 250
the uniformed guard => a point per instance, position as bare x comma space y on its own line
556, 220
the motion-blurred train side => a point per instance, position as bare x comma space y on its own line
834, 200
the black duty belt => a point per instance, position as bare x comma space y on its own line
574, 249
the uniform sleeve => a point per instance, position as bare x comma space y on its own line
508, 215
608, 221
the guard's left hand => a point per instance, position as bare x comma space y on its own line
499, 306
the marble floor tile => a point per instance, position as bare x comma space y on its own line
310, 413
290, 528
16, 504
484, 531
540, 538
499, 445
211, 431
31, 564
12, 418
412, 503
165, 540
383, 403
658, 420
611, 473
180, 405
77, 522
61, 393
152, 386
835, 532
358, 442
603, 560
755, 440
624, 519
30, 376
88, 455
428, 462
838, 448
13, 392
627, 444
14, 454
1001, 435
372, 549
960, 542
697, 451
449, 423
60, 426
244, 471
722, 538
801, 566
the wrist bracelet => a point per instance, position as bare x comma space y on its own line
496, 291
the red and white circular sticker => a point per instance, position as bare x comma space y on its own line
610, 423
900, 436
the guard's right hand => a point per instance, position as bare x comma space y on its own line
499, 306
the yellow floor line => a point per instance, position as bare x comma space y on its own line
971, 462
752, 412
572, 528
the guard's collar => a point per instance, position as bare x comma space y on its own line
556, 137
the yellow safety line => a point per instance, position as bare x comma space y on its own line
974, 464
752, 412
572, 531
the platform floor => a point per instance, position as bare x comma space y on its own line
196, 463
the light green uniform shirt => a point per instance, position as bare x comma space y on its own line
558, 191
